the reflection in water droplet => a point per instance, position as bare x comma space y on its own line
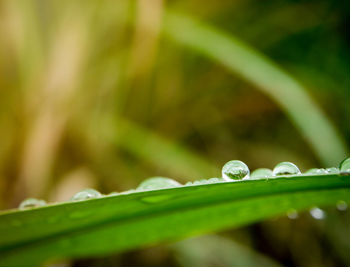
345, 166
86, 194
261, 173
285, 168
342, 205
235, 170
32, 203
317, 213
332, 170
158, 183
315, 171
292, 214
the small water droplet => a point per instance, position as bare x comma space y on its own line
158, 183
345, 166
214, 180
292, 214
32, 203
315, 171
261, 173
86, 194
285, 168
332, 170
342, 205
235, 170
127, 192
317, 213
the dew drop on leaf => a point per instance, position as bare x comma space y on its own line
345, 166
214, 180
86, 194
127, 192
292, 214
261, 173
32, 203
317, 213
158, 183
285, 168
315, 171
342, 205
235, 170
332, 170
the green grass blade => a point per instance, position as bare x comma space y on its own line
262, 72
150, 146
118, 223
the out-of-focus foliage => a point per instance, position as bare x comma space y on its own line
93, 95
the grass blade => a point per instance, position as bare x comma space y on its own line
267, 76
118, 223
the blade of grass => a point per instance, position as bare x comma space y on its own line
118, 223
266, 75
150, 146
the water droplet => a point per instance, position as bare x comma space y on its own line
127, 192
292, 214
317, 213
32, 203
332, 170
158, 183
235, 170
285, 168
214, 180
261, 173
315, 171
342, 205
113, 194
345, 166
86, 194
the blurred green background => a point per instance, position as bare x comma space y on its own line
104, 94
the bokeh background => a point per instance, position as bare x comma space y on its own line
104, 94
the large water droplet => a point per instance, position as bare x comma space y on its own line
32, 203
317, 213
342, 205
285, 168
86, 194
261, 173
158, 183
235, 170
345, 166
315, 171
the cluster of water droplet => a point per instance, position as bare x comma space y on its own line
234, 170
